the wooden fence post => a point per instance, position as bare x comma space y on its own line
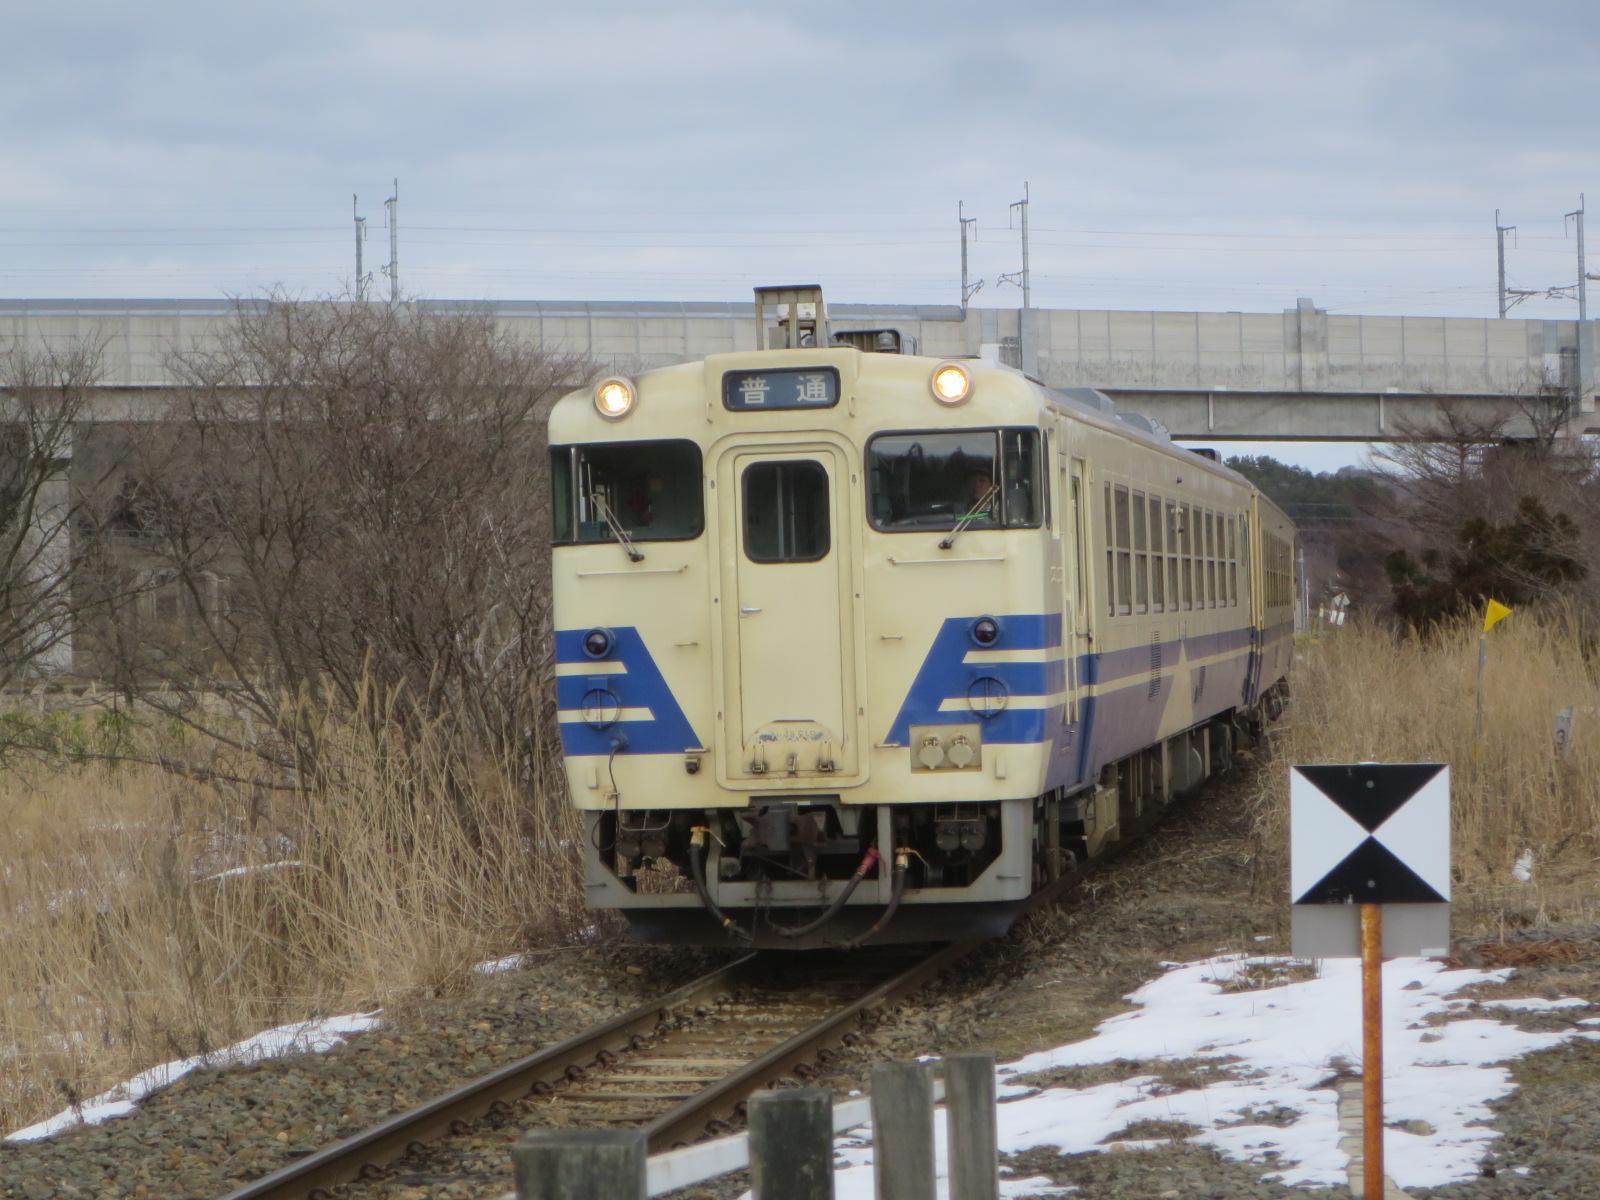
970, 1123
902, 1131
580, 1164
791, 1144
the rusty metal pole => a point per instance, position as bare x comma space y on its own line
1372, 1048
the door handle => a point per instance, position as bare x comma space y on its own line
746, 610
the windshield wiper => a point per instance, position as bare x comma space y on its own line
620, 534
980, 509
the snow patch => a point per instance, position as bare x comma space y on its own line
498, 966
1282, 1046
310, 1037
256, 869
1522, 869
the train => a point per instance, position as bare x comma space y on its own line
855, 645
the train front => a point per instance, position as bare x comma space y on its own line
807, 675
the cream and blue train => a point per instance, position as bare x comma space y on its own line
857, 645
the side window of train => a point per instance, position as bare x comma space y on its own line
1211, 559
1173, 602
1186, 562
1124, 553
1077, 531
1233, 567
652, 491
1141, 557
1244, 550
1111, 557
1158, 562
786, 511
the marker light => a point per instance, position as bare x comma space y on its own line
613, 398
597, 643
986, 631
951, 383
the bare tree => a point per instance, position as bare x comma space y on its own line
348, 503
43, 395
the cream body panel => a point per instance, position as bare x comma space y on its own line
788, 655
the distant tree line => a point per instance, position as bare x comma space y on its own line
1446, 520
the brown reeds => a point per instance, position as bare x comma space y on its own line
1366, 693
149, 916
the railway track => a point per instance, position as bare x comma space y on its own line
680, 1067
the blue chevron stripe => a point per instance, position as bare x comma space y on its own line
640, 685
946, 674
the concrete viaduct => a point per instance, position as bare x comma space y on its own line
1298, 374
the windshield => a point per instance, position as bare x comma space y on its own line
987, 478
651, 490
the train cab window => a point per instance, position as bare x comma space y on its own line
988, 478
786, 511
651, 491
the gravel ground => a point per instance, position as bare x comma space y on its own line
1185, 892
1550, 1126
215, 1129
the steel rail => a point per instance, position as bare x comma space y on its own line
353, 1157
696, 1116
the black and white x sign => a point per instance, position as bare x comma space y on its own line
1369, 833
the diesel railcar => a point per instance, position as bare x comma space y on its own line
855, 645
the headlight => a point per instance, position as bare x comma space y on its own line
951, 383
613, 398
597, 643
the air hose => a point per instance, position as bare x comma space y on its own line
869, 860
902, 866
697, 867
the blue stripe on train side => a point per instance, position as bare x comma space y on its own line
946, 674
640, 685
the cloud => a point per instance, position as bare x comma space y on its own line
632, 149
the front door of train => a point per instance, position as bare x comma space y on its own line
789, 619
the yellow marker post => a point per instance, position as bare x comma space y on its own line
1492, 616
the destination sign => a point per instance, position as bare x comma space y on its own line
803, 387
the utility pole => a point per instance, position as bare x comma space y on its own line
1576, 217
391, 216
1582, 388
361, 238
967, 291
1021, 278
1500, 232
1509, 297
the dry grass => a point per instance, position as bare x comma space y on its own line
149, 917
1366, 694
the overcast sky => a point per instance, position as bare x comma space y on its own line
1190, 156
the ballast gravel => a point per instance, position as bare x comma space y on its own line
216, 1129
